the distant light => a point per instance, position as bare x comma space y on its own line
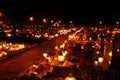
117, 22
96, 63
71, 22
110, 54
44, 20
52, 21
45, 55
100, 22
97, 52
59, 21
100, 59
118, 50
109, 62
31, 18
56, 47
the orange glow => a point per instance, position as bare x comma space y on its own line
62, 45
100, 59
59, 21
96, 63
61, 58
100, 22
97, 52
71, 22
70, 77
0, 46
1, 22
52, 21
110, 54
45, 55
31, 18
117, 22
0, 14
109, 62
44, 20
56, 47
118, 50
64, 53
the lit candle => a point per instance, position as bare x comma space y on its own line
61, 58
100, 59
45, 55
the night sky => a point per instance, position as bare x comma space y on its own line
81, 12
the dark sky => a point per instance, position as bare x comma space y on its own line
80, 11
